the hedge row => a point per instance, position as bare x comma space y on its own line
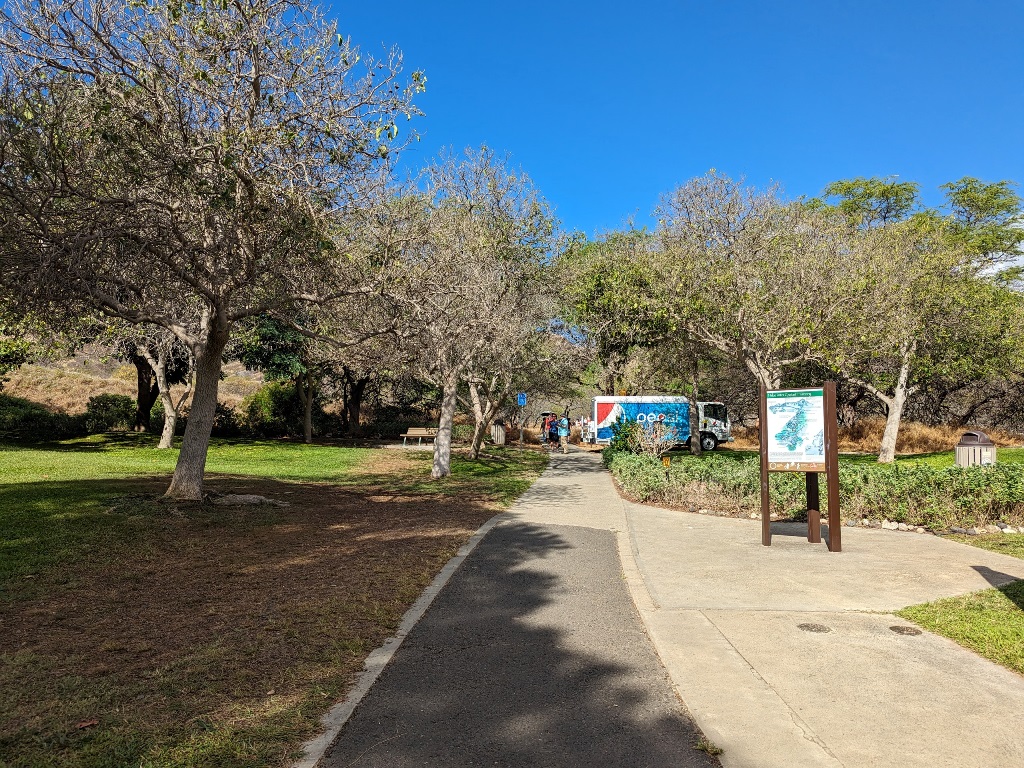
910, 492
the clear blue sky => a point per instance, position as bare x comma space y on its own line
609, 104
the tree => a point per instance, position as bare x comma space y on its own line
922, 312
480, 237
922, 306
538, 360
612, 292
284, 354
183, 165
149, 348
872, 201
986, 219
747, 274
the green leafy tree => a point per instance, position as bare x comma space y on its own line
284, 354
612, 292
918, 304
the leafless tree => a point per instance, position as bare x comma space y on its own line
485, 237
183, 165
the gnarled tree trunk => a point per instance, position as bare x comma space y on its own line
695, 447
894, 403
187, 483
354, 404
158, 364
146, 393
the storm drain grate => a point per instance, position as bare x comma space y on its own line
899, 629
813, 628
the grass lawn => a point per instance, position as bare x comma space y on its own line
990, 622
135, 632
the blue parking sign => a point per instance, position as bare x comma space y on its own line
521, 398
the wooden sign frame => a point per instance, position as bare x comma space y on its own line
831, 430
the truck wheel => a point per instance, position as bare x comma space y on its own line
708, 442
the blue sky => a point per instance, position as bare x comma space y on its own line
607, 105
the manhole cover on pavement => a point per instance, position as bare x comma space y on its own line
814, 628
901, 630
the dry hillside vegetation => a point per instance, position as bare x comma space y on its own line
67, 386
866, 435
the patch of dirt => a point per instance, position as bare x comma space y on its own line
214, 607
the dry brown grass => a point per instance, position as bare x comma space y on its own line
61, 390
67, 389
218, 636
866, 435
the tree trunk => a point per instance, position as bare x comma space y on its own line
146, 393
187, 483
355, 404
306, 391
695, 447
770, 377
158, 365
443, 441
479, 421
894, 412
170, 421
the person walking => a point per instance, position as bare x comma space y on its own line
563, 432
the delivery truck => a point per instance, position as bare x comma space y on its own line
671, 411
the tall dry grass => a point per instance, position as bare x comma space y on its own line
866, 435
60, 390
64, 390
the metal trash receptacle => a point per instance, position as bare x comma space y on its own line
498, 433
975, 449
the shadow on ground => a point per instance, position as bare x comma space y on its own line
532, 656
1002, 581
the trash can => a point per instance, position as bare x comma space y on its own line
974, 449
498, 433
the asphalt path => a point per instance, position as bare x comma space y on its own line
532, 655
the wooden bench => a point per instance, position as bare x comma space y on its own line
420, 433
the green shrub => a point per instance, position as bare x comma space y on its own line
462, 433
25, 421
272, 411
910, 492
226, 423
106, 412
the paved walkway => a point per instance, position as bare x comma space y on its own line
534, 655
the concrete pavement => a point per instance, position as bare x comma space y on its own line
785, 655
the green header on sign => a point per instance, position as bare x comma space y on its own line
798, 393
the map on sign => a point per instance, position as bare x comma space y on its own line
796, 430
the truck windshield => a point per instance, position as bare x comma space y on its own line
716, 411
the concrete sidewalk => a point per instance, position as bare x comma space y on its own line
786, 656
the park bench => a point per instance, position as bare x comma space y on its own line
420, 433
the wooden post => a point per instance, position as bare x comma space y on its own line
835, 529
813, 508
766, 518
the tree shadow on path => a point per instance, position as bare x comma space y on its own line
533, 655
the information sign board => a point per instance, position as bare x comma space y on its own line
521, 399
795, 430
